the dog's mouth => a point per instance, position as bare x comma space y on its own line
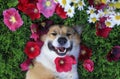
61, 51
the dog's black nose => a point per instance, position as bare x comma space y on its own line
62, 40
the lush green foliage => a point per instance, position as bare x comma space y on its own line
12, 46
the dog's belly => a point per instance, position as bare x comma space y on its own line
67, 75
59, 75
46, 58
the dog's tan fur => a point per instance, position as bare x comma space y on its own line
39, 71
63, 30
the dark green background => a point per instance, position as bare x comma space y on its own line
12, 46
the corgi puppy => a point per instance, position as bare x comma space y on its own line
58, 42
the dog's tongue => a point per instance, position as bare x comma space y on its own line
61, 49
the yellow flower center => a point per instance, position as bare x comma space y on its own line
12, 19
69, 11
91, 11
108, 24
103, 1
96, 1
80, 3
35, 11
75, 5
48, 3
62, 62
64, 2
43, 24
32, 49
94, 19
117, 17
83, 52
117, 5
111, 4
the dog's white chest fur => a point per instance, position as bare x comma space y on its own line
47, 58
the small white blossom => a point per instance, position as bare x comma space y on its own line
109, 23
80, 5
70, 11
91, 10
93, 18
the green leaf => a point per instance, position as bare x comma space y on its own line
12, 3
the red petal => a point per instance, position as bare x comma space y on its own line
34, 53
60, 12
103, 32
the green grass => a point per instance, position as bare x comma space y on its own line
12, 46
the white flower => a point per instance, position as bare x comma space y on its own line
75, 1
91, 10
93, 18
100, 13
109, 23
64, 3
81, 4
116, 18
70, 11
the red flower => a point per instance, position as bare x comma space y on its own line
60, 11
22, 4
32, 49
100, 6
64, 64
103, 32
25, 65
91, 2
88, 65
101, 29
85, 53
32, 11
29, 7
114, 54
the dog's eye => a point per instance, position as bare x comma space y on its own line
68, 34
54, 34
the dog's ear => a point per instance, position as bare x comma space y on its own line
43, 37
78, 29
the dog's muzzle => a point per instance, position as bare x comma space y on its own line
61, 51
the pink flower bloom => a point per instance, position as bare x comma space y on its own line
34, 28
12, 19
25, 65
88, 65
46, 7
64, 64
34, 36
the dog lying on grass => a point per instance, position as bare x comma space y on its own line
60, 42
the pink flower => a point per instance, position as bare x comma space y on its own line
12, 19
25, 65
46, 7
34, 28
64, 64
35, 36
88, 65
